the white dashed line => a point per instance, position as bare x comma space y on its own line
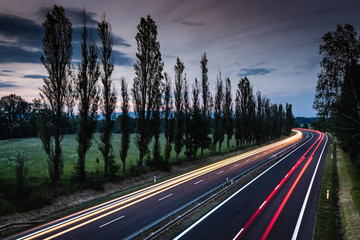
116, 219
165, 197
198, 182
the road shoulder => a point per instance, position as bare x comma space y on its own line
349, 215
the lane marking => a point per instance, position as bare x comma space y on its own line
198, 182
274, 218
249, 222
161, 187
165, 197
116, 219
219, 172
262, 204
301, 215
238, 234
234, 166
237, 192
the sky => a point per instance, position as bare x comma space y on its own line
275, 44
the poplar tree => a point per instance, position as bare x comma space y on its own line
88, 97
124, 124
205, 140
148, 73
57, 51
179, 105
108, 96
228, 113
168, 118
218, 134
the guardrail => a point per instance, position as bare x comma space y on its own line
175, 217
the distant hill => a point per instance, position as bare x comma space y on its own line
303, 120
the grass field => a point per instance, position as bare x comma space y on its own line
35, 157
328, 221
39, 192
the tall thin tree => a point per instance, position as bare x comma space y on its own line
124, 124
228, 113
148, 71
179, 105
205, 140
218, 133
108, 96
56, 59
88, 94
168, 118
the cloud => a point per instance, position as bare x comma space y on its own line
20, 38
254, 71
35, 76
12, 54
7, 84
74, 14
193, 24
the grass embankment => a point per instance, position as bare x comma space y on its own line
38, 191
328, 221
349, 196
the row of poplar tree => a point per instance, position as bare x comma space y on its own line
188, 122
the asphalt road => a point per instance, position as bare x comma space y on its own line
280, 203
125, 215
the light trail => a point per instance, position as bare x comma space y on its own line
250, 221
146, 193
273, 220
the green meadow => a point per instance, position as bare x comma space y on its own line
36, 159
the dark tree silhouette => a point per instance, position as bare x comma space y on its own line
168, 118
108, 96
148, 71
228, 113
88, 94
15, 109
179, 105
124, 123
205, 140
218, 134
56, 59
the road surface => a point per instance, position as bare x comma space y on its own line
280, 203
118, 218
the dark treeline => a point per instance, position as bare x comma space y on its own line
337, 99
191, 117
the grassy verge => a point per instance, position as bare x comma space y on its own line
349, 196
328, 220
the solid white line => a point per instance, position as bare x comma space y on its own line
165, 197
301, 215
198, 182
116, 219
229, 198
219, 172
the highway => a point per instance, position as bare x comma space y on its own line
280, 203
120, 217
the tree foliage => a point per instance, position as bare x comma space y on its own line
124, 123
179, 106
108, 96
88, 97
148, 71
169, 123
57, 50
204, 139
218, 132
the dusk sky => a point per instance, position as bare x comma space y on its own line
274, 43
